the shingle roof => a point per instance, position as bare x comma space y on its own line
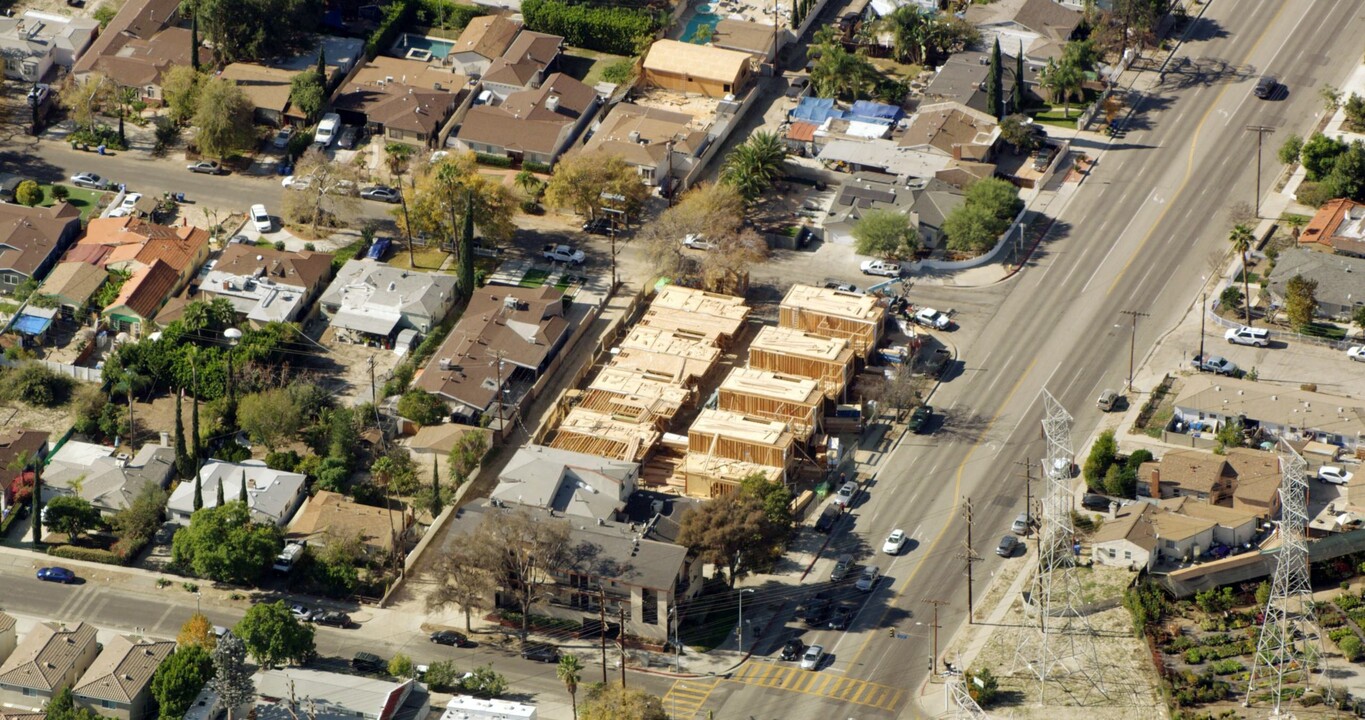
268, 88
124, 670
305, 269
46, 655
366, 283
530, 120
1048, 18
28, 235
1191, 470
488, 36
330, 515
1340, 278
74, 282
19, 441
944, 126
7, 621
139, 19
136, 240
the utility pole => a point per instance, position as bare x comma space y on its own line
1260, 131
621, 641
497, 393
1203, 313
1132, 343
969, 556
933, 659
602, 616
1028, 486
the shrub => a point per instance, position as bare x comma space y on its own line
72, 552
36, 385
1194, 656
28, 193
535, 167
620, 71
422, 407
1226, 667
1348, 602
396, 17
1350, 647
60, 192
446, 15
442, 676
494, 160
615, 30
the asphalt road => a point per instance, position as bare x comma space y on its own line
1140, 234
120, 609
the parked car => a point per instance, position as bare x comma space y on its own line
38, 94
597, 226
562, 253
844, 496
451, 638
796, 87
1259, 337
828, 517
840, 618
895, 542
841, 286
333, 618
1007, 546
346, 139
931, 318
1356, 352
301, 612
56, 574
1216, 364
868, 579
128, 206
920, 418
793, 649
368, 662
327, 130
260, 219
884, 268
297, 182
842, 565
381, 193
206, 167
540, 653
1022, 524
1093, 501
814, 655
282, 138
693, 241
1108, 400
89, 180
1334, 475
817, 610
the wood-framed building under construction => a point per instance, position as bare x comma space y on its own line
828, 361
725, 447
859, 319
636, 395
594, 433
790, 399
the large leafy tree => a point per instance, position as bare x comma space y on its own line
841, 74
579, 183
223, 544
463, 580
179, 679
63, 706
231, 677
909, 26
85, 98
326, 192
257, 29
180, 89
1301, 300
716, 213
308, 93
435, 204
1018, 132
885, 234
755, 165
733, 532
197, 631
270, 417
223, 117
274, 636
1062, 81
1242, 239
71, 515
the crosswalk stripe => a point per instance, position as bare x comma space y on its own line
895, 700
846, 686
858, 697
876, 697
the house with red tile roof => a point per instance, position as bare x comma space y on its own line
134, 243
1338, 227
141, 296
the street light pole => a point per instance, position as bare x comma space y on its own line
741, 617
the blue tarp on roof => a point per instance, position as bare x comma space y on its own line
27, 324
869, 111
816, 110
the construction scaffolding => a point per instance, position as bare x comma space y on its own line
1060, 651
1289, 654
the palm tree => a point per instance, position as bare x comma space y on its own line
399, 156
1062, 81
130, 382
1241, 239
753, 166
909, 29
840, 73
569, 671
528, 183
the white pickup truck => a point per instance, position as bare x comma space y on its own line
562, 253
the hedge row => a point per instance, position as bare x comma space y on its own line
495, 160
615, 30
447, 15
396, 17
535, 167
72, 552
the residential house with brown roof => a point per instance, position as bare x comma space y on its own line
761, 40
141, 296
530, 59
17, 443
507, 337
1337, 227
31, 240
697, 69
119, 683
1340, 281
1144, 535
664, 147
268, 90
403, 100
330, 517
51, 658
1244, 479
962, 78
484, 40
136, 243
537, 125
139, 45
9, 637
267, 285
71, 285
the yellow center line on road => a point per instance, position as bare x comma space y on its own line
953, 516
1189, 162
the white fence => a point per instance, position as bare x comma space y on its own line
84, 374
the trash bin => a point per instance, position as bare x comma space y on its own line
100, 149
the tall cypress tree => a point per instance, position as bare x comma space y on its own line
194, 41
230, 412
198, 492
322, 65
241, 492
196, 452
183, 465
467, 246
36, 502
995, 85
220, 499
1019, 79
436, 503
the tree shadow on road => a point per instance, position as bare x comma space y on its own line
1203, 29
962, 425
1184, 72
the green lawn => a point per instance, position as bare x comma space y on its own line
586, 65
533, 278
1324, 330
1057, 116
85, 200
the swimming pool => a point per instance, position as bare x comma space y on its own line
699, 20
436, 46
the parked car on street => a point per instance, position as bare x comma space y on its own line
300, 612
451, 638
1007, 546
540, 653
1259, 337
333, 618
1356, 352
1093, 501
90, 180
885, 268
828, 517
844, 496
920, 419
597, 226
1108, 400
206, 167
56, 574
1022, 524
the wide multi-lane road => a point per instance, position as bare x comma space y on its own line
1138, 235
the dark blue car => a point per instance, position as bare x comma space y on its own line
56, 574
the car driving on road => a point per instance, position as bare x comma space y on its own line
841, 617
793, 649
541, 653
56, 574
868, 579
895, 542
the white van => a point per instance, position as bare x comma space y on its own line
327, 130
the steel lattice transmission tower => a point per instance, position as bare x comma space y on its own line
1290, 646
961, 706
1061, 647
